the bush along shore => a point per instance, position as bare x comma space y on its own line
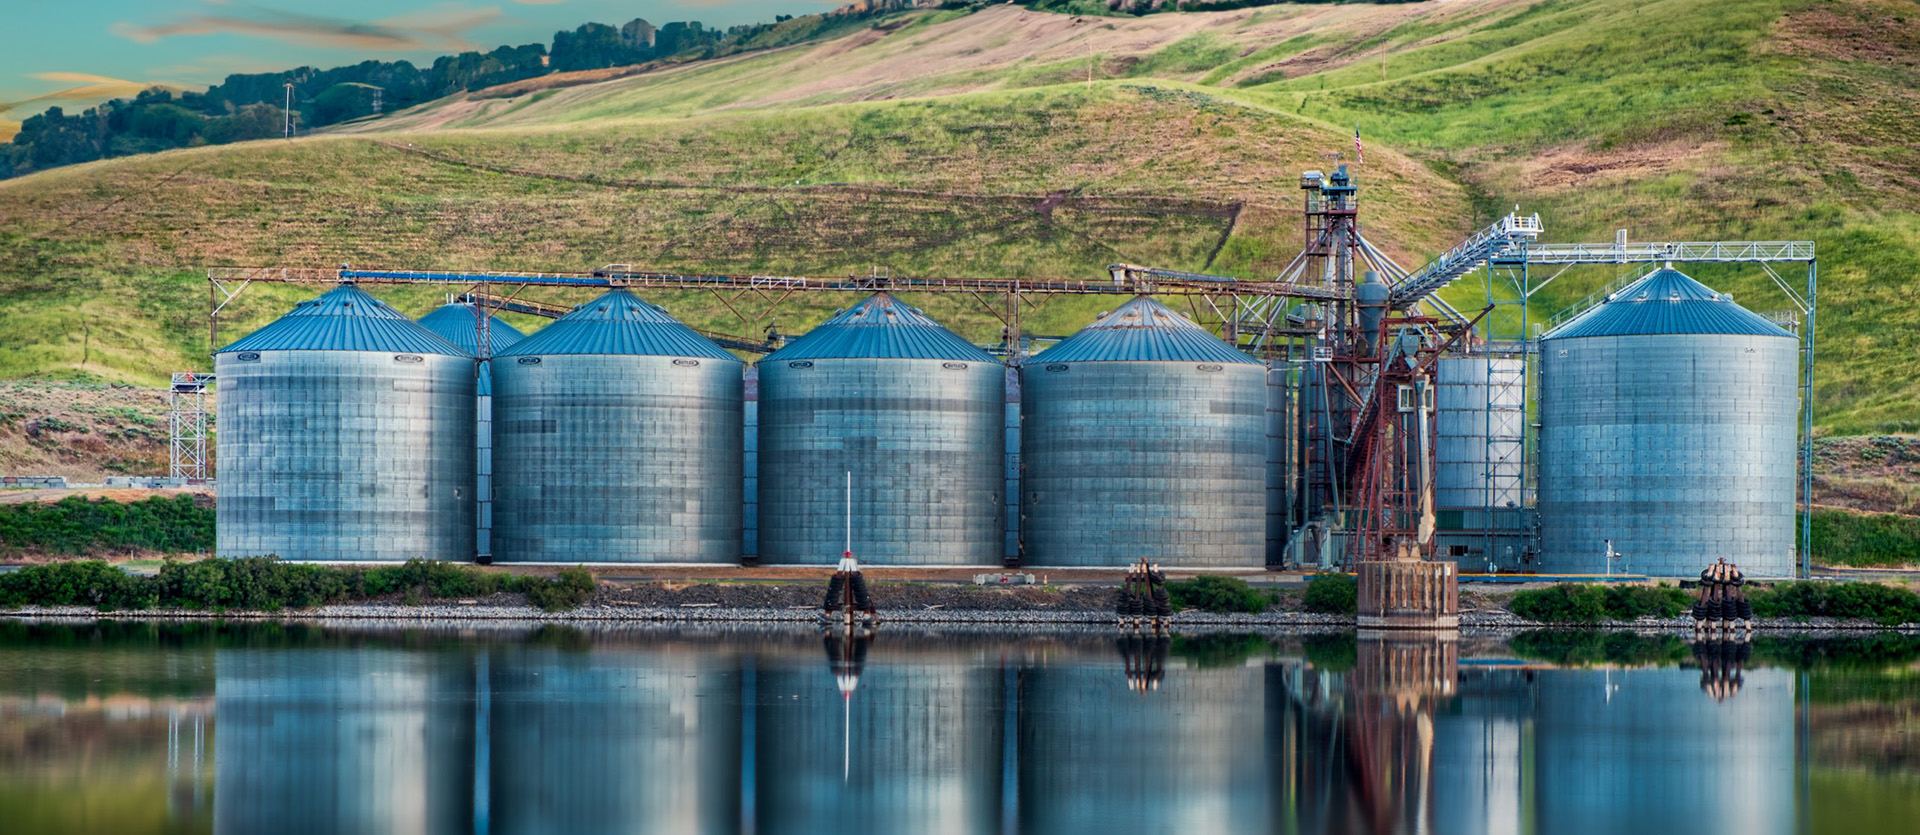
264, 587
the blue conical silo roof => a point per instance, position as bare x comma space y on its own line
1144, 330
881, 326
345, 319
1667, 302
618, 323
455, 323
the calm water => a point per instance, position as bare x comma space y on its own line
133, 728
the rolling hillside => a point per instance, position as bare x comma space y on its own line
1011, 142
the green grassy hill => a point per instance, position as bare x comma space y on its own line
1018, 143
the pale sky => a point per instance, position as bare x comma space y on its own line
91, 50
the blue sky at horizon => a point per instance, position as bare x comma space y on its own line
103, 49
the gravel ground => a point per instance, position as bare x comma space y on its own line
898, 602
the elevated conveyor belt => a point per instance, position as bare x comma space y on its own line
1505, 236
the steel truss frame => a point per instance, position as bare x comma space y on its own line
1509, 280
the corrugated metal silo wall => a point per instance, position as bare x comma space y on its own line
1478, 432
1679, 448
1283, 456
342, 741
483, 463
924, 440
1189, 757
1010, 551
609, 458
1645, 750
923, 748
614, 742
1125, 460
346, 455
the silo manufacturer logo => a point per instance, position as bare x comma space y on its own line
1056, 367
529, 360
247, 356
406, 358
1209, 368
953, 366
800, 364
686, 363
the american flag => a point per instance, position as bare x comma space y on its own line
1359, 152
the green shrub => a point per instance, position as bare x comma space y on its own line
1627, 602
267, 584
565, 592
76, 526
1214, 593
1593, 603
1850, 601
1332, 594
83, 583
1562, 603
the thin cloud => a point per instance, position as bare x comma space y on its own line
539, 2
440, 28
78, 78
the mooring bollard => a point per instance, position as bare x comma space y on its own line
1723, 601
847, 595
1143, 600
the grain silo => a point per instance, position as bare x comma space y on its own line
1667, 426
1481, 502
913, 411
616, 439
1481, 403
460, 325
1145, 438
346, 433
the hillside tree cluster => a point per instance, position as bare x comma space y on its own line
251, 105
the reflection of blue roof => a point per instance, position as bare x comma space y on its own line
345, 319
884, 327
1144, 330
456, 323
618, 323
1667, 302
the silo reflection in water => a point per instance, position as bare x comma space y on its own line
332, 741
615, 742
1645, 751
1097, 755
921, 739
1479, 750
